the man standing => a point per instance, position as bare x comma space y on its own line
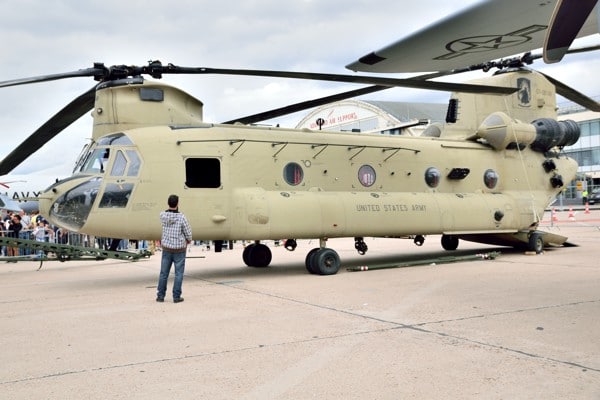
176, 235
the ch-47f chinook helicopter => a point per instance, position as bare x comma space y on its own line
484, 176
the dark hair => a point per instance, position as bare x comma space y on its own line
173, 200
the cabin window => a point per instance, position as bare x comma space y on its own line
293, 174
432, 177
203, 173
490, 178
366, 175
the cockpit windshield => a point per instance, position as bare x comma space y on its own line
95, 157
110, 168
96, 161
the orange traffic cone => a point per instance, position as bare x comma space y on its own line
587, 207
571, 215
554, 217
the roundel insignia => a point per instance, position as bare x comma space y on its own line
478, 44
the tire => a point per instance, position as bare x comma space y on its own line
246, 254
449, 242
326, 261
309, 263
259, 256
536, 242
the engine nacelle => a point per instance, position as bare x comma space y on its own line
502, 132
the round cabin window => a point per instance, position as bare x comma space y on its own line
432, 177
490, 178
366, 175
293, 174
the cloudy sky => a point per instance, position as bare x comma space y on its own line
50, 36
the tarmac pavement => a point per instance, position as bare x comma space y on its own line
518, 327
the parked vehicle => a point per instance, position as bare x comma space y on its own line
594, 197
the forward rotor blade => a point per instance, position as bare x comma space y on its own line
53, 77
566, 22
292, 108
573, 95
65, 117
369, 80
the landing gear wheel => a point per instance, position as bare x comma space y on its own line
257, 255
309, 261
449, 242
536, 242
246, 254
326, 261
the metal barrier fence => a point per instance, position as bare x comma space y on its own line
74, 239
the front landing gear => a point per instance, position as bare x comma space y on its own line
322, 260
257, 255
449, 242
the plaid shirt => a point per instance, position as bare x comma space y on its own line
176, 230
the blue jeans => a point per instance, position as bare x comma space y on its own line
169, 258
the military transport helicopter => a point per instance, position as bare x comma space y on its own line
484, 176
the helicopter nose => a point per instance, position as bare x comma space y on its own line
69, 203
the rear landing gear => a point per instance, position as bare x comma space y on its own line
536, 242
257, 255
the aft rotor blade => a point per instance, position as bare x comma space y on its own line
573, 95
369, 80
304, 105
95, 72
566, 22
292, 108
65, 117
583, 49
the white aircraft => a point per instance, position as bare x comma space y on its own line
19, 192
7, 204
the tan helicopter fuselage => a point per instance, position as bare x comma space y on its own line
478, 177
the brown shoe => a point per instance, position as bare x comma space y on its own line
178, 300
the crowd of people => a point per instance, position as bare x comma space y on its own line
33, 226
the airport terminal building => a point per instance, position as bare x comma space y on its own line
384, 117
586, 151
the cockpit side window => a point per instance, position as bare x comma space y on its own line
134, 163
116, 195
118, 168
